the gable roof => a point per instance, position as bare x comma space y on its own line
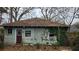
35, 22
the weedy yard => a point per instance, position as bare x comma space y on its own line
35, 48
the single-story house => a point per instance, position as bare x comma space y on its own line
33, 31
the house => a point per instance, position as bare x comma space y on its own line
33, 31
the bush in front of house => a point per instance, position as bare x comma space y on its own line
75, 46
1, 31
1, 45
1, 41
1, 38
63, 41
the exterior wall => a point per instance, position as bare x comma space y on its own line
37, 36
10, 39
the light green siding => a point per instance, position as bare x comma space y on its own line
36, 36
10, 38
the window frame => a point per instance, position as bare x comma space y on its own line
9, 31
28, 32
51, 34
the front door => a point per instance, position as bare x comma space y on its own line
18, 36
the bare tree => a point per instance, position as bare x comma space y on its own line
71, 17
16, 13
65, 14
10, 13
54, 13
48, 12
2, 10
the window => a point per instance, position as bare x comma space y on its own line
51, 34
52, 37
9, 31
27, 33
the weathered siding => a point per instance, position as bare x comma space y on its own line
10, 38
36, 34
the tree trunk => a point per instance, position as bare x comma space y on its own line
10, 14
0, 17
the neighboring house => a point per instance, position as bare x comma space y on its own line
33, 31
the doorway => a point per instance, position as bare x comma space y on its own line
18, 35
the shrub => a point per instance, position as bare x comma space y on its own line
1, 31
1, 42
64, 41
75, 48
75, 45
1, 45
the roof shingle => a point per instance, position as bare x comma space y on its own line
35, 22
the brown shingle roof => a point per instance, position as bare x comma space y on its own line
35, 22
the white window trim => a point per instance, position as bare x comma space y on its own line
30, 33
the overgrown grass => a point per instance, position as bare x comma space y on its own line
75, 46
1, 45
